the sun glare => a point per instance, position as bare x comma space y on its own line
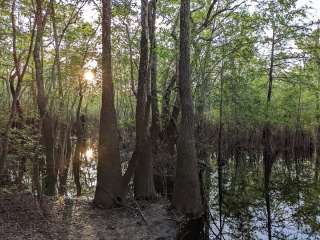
89, 153
89, 77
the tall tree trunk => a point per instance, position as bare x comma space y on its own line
220, 159
108, 190
186, 196
47, 125
266, 135
169, 122
266, 138
57, 62
317, 145
133, 88
76, 167
56, 74
143, 177
155, 119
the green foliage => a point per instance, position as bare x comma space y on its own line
230, 43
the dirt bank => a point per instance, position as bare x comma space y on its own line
22, 217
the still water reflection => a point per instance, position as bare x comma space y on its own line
284, 205
246, 202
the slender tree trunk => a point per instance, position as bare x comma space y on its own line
169, 122
66, 155
165, 116
317, 145
266, 139
186, 196
80, 145
108, 190
268, 201
266, 135
57, 62
132, 84
170, 133
56, 74
76, 167
220, 159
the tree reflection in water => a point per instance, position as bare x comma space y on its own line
247, 200
260, 205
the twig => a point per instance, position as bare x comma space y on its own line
140, 212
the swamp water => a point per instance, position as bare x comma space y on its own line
243, 205
246, 206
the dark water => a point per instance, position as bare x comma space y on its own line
244, 204
251, 207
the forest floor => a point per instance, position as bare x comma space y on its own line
22, 217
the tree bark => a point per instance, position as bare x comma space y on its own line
57, 64
132, 84
266, 139
317, 130
65, 161
80, 147
108, 190
47, 125
143, 177
155, 119
186, 196
76, 167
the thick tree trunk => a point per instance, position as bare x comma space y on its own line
47, 126
143, 177
109, 186
186, 196
48, 141
155, 119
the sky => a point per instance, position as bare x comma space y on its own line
314, 13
